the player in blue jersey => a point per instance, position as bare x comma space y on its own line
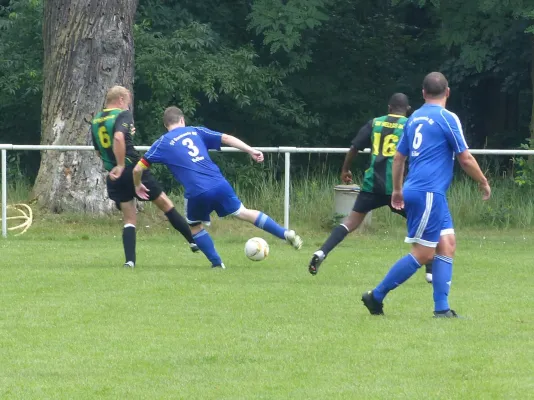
432, 138
184, 150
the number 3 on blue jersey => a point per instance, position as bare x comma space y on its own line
191, 146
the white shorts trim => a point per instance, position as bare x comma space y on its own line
445, 232
420, 241
239, 210
190, 221
426, 215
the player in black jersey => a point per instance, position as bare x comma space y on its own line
112, 130
381, 134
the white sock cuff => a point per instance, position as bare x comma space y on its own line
129, 226
345, 226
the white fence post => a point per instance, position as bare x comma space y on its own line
4, 193
287, 181
287, 185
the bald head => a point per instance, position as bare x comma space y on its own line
399, 103
435, 86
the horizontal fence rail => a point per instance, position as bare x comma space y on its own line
287, 151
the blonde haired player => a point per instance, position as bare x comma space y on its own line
112, 132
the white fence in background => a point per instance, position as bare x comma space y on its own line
4, 148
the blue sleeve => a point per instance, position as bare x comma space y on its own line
453, 131
211, 139
402, 146
154, 155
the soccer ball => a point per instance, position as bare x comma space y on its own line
256, 249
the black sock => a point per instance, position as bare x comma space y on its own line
128, 241
336, 237
180, 224
428, 267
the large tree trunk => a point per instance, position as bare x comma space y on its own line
88, 48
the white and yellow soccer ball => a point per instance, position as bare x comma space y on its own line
256, 249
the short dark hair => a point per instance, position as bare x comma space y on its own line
399, 102
435, 85
172, 115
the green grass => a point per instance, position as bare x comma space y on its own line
75, 325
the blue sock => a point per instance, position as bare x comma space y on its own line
206, 246
268, 225
441, 281
399, 273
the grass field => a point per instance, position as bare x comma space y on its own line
75, 325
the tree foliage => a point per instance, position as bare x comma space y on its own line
298, 72
21, 78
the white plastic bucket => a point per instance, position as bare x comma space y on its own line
344, 198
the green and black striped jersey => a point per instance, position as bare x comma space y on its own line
103, 128
382, 135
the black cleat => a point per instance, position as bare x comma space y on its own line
194, 247
446, 314
315, 263
374, 306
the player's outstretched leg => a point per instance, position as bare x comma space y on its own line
128, 232
263, 221
400, 272
177, 221
206, 246
351, 223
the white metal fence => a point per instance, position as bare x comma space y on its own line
287, 151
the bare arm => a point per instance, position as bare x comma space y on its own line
397, 200
398, 171
119, 148
232, 141
470, 165
346, 174
137, 175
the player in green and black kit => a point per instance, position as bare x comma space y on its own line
112, 131
381, 135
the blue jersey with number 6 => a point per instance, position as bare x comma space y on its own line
432, 136
185, 152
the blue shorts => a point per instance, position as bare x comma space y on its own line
221, 199
428, 217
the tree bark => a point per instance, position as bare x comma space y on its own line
88, 48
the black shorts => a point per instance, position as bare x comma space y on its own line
123, 190
367, 201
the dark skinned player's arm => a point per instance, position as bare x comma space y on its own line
349, 157
361, 141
